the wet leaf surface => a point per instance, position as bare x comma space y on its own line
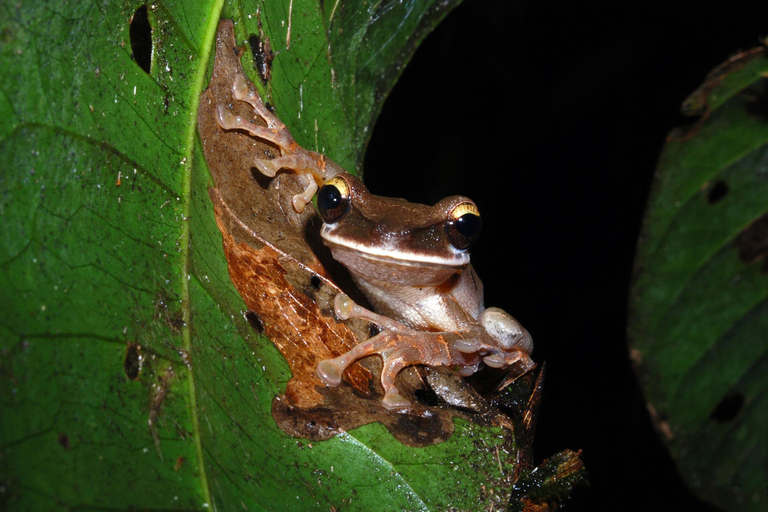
132, 374
700, 298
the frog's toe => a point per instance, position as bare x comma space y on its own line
226, 119
329, 372
343, 306
395, 400
495, 361
265, 167
466, 347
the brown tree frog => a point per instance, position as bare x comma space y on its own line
411, 261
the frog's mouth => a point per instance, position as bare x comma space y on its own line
393, 256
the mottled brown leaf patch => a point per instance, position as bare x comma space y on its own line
303, 332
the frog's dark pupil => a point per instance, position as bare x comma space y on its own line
464, 230
328, 198
469, 225
331, 204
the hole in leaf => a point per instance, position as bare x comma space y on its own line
255, 321
141, 38
717, 191
728, 408
315, 282
132, 361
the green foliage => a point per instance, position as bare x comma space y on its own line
700, 300
109, 251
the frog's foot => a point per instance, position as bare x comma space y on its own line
313, 167
507, 332
508, 342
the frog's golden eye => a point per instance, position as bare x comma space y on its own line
333, 199
463, 226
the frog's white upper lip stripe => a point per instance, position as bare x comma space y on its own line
458, 259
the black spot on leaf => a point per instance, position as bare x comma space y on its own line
255, 321
63, 441
132, 361
262, 56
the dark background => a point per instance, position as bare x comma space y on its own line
552, 118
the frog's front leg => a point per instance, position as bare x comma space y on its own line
398, 345
498, 340
396, 352
312, 167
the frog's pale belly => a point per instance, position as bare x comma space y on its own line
445, 308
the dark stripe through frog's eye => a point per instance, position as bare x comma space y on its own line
333, 200
463, 226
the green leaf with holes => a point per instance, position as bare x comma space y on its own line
699, 323
129, 377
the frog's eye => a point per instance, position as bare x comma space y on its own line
333, 200
463, 226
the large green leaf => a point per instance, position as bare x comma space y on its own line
129, 377
700, 301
